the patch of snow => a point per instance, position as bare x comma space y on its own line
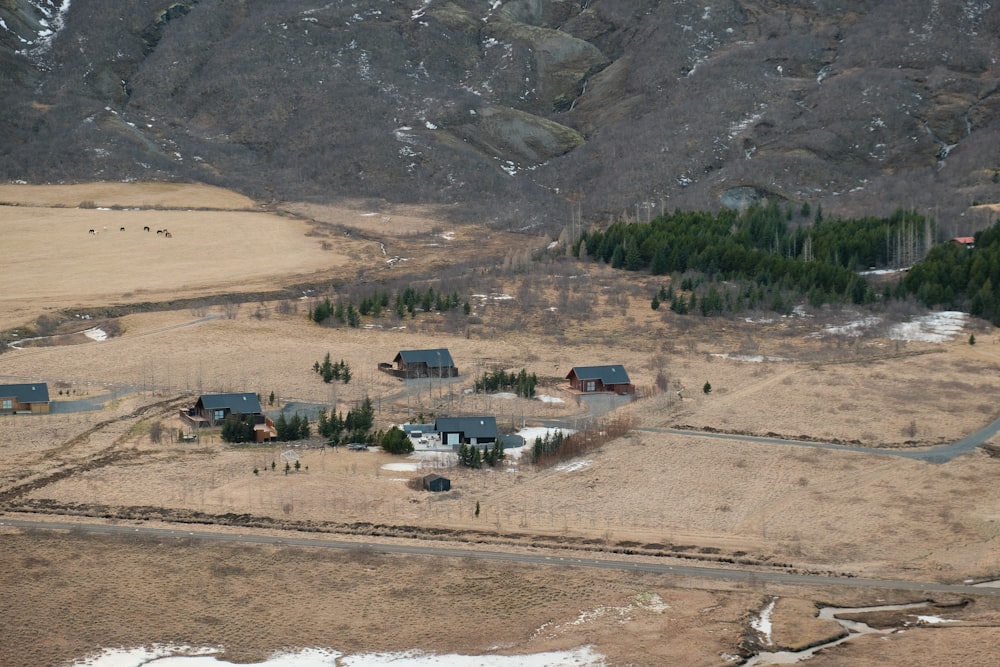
762, 623
573, 466
96, 333
931, 328
545, 398
504, 394
936, 619
751, 358
408, 466
176, 656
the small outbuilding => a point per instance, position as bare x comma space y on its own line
593, 379
456, 431
32, 398
436, 483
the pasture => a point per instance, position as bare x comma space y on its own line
817, 510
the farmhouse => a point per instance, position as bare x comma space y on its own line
212, 410
436, 483
422, 363
967, 241
591, 379
33, 398
456, 431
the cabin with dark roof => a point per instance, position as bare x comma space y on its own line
30, 398
457, 431
213, 409
422, 363
594, 379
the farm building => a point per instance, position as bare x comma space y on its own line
212, 409
422, 363
967, 241
436, 483
591, 379
32, 398
456, 431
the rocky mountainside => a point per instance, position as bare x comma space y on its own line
516, 112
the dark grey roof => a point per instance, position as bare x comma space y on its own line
35, 392
613, 374
244, 404
436, 358
472, 427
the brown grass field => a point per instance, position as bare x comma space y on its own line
819, 510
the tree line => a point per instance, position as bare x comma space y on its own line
759, 258
404, 302
472, 456
961, 278
521, 383
331, 371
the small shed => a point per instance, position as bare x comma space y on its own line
31, 397
591, 379
436, 483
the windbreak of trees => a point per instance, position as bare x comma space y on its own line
331, 371
296, 428
557, 446
762, 259
472, 456
407, 301
339, 429
520, 383
237, 429
962, 278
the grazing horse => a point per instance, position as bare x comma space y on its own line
159, 231
145, 229
92, 231
168, 235
122, 229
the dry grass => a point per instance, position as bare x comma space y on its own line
822, 510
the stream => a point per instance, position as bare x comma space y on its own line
762, 624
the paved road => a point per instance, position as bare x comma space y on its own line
939, 454
673, 570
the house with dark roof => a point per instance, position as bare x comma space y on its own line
592, 379
32, 397
457, 431
213, 409
422, 363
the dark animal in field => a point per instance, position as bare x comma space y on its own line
92, 231
145, 229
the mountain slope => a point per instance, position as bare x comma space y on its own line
509, 110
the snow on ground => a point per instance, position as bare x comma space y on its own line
504, 394
545, 398
931, 328
96, 333
573, 466
183, 656
752, 358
